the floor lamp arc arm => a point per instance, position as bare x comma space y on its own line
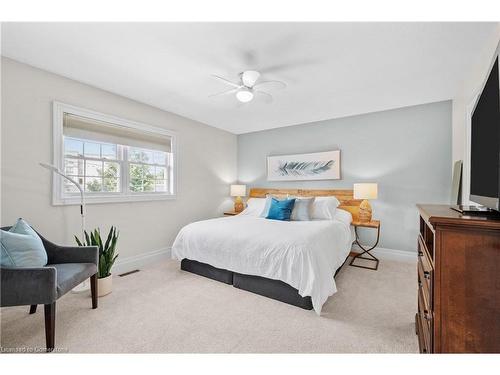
83, 287
82, 199
80, 189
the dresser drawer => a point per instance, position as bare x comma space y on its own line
425, 282
423, 345
425, 302
425, 318
423, 251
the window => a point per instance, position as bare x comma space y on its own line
95, 166
112, 159
147, 170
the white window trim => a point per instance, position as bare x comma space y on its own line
58, 199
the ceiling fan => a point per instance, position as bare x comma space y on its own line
249, 86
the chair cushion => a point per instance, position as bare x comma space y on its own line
21, 247
70, 275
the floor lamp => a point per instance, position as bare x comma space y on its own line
85, 285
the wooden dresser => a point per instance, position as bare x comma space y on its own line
458, 282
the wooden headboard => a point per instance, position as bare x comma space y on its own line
347, 202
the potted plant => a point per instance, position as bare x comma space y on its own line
107, 257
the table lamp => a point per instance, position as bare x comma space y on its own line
365, 191
238, 191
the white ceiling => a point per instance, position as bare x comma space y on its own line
332, 69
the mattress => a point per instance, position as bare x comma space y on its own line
303, 254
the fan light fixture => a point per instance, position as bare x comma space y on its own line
249, 87
250, 77
244, 95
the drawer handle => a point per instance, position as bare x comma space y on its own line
420, 284
420, 253
427, 275
426, 315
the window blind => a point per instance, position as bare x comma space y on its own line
100, 131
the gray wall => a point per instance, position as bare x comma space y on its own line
407, 151
206, 161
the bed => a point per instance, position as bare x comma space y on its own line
290, 261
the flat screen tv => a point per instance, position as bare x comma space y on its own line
485, 144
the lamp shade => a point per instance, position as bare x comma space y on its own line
365, 191
238, 190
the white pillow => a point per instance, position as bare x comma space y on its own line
343, 216
324, 208
302, 209
267, 205
255, 206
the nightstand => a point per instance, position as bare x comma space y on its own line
373, 224
231, 213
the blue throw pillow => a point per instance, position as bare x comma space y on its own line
22, 247
281, 210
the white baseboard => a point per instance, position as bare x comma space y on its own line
391, 254
137, 261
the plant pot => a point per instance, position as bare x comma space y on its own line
104, 285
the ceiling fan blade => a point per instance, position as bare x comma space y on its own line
268, 98
227, 81
230, 91
270, 85
287, 66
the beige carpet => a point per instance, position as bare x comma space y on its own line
162, 309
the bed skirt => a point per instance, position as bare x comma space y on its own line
275, 289
207, 270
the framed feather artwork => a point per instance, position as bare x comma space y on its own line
304, 167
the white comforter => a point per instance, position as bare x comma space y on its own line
303, 254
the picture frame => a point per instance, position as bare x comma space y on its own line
304, 167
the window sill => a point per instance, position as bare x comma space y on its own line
112, 199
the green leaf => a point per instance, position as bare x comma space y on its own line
78, 241
107, 256
97, 236
109, 238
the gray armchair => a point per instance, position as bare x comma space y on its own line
67, 267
